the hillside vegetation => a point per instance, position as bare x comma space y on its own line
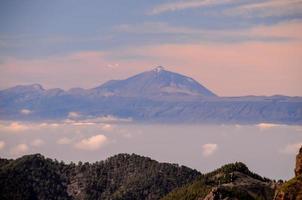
122, 176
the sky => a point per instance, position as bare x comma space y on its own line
233, 47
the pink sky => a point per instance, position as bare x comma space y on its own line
228, 69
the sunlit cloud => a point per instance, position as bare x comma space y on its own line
37, 143
264, 126
82, 123
25, 111
107, 127
2, 144
19, 149
64, 140
238, 126
92, 143
209, 149
291, 148
14, 127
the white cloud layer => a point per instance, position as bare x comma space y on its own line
209, 149
20, 149
93, 143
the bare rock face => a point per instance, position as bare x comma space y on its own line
298, 169
292, 189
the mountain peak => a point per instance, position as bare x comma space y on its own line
27, 88
154, 83
158, 69
36, 86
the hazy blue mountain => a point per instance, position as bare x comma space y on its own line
154, 96
157, 82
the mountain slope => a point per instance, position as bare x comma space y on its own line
130, 177
122, 176
232, 181
157, 82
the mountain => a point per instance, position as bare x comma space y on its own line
154, 83
135, 177
231, 181
122, 176
157, 95
132, 177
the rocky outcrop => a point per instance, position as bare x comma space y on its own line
292, 189
298, 169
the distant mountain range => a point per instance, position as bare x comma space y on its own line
157, 95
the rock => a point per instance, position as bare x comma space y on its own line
292, 189
298, 169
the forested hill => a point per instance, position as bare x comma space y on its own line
134, 177
122, 176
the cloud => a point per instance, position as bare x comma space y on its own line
73, 115
93, 143
25, 112
64, 140
37, 143
266, 8
14, 127
108, 119
269, 8
80, 123
103, 121
107, 127
2, 144
156, 28
264, 126
188, 4
20, 149
291, 148
282, 31
209, 149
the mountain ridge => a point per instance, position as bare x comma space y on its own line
152, 96
123, 176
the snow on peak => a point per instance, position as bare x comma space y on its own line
37, 86
158, 69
